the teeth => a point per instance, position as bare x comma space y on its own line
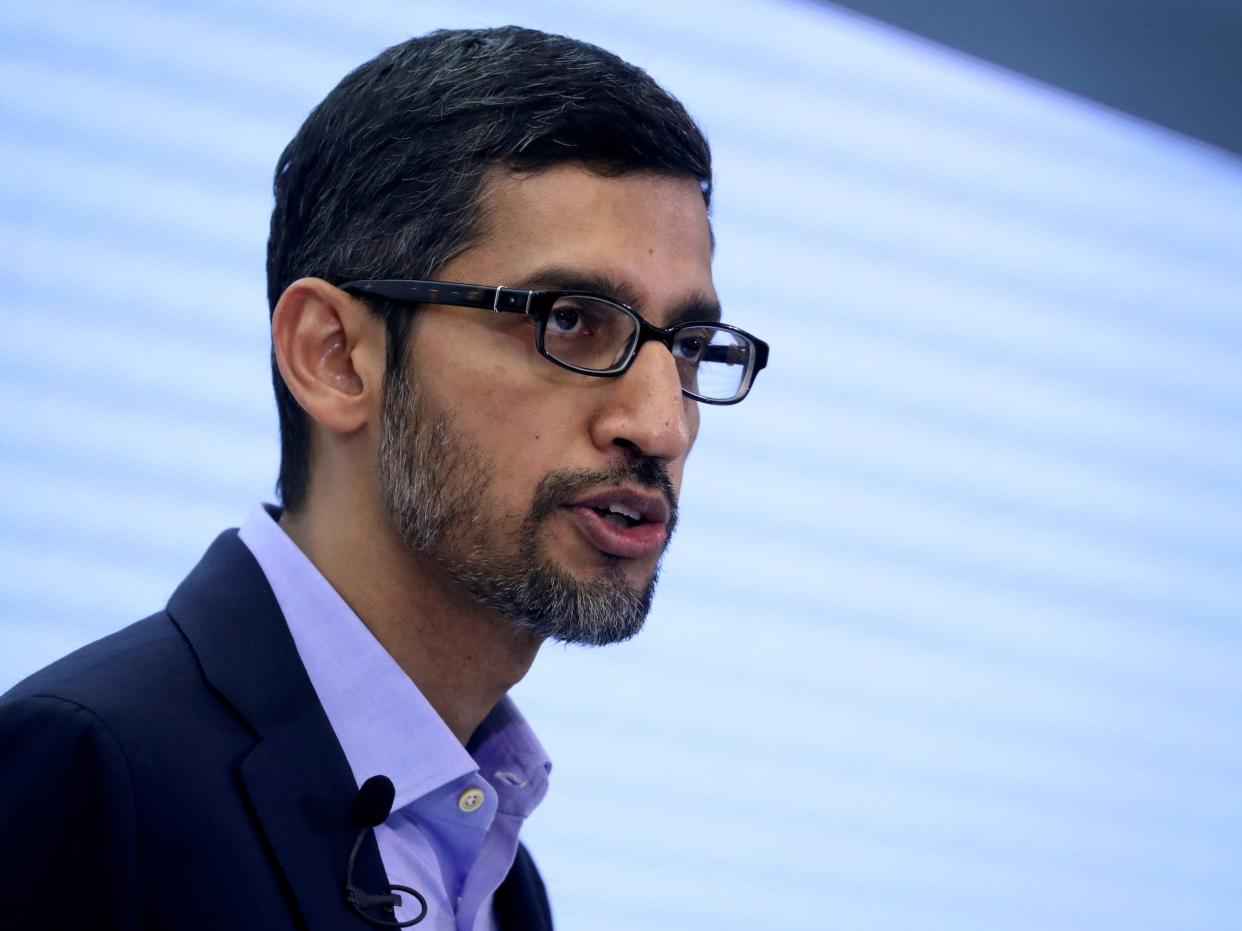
624, 512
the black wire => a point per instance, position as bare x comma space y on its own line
362, 900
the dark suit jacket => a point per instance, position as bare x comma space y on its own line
181, 774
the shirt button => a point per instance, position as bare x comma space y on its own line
471, 799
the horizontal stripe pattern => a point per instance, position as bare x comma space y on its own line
949, 635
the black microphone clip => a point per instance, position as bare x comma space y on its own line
371, 809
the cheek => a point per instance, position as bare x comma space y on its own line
521, 439
525, 417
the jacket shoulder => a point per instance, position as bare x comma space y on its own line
136, 663
66, 810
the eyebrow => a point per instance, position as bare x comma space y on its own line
698, 307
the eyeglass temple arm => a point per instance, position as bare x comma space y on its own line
499, 299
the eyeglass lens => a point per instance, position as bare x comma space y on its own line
598, 336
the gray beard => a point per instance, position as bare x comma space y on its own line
436, 492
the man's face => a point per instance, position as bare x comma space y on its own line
501, 466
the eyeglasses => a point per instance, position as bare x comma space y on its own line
595, 335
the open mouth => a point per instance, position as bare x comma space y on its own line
625, 522
620, 530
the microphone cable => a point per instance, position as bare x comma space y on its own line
371, 809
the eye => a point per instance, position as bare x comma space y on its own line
689, 347
566, 320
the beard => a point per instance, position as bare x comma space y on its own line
436, 489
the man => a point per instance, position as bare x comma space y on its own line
467, 470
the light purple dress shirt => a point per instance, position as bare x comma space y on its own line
441, 838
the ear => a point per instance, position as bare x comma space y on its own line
330, 351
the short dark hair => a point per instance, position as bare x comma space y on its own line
383, 179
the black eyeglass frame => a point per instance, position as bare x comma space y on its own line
538, 304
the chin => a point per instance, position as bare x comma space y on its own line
596, 564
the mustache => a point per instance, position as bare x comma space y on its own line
557, 489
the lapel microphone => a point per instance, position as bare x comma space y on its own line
371, 809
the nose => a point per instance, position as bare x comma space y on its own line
644, 409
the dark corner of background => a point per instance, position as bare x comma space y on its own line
1175, 63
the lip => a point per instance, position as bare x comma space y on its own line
653, 508
645, 539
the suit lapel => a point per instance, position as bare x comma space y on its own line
305, 816
296, 777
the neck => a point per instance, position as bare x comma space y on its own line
462, 657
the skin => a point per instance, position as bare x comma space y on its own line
527, 417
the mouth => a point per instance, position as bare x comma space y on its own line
622, 522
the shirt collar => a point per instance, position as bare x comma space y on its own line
511, 758
383, 722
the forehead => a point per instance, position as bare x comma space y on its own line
649, 231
